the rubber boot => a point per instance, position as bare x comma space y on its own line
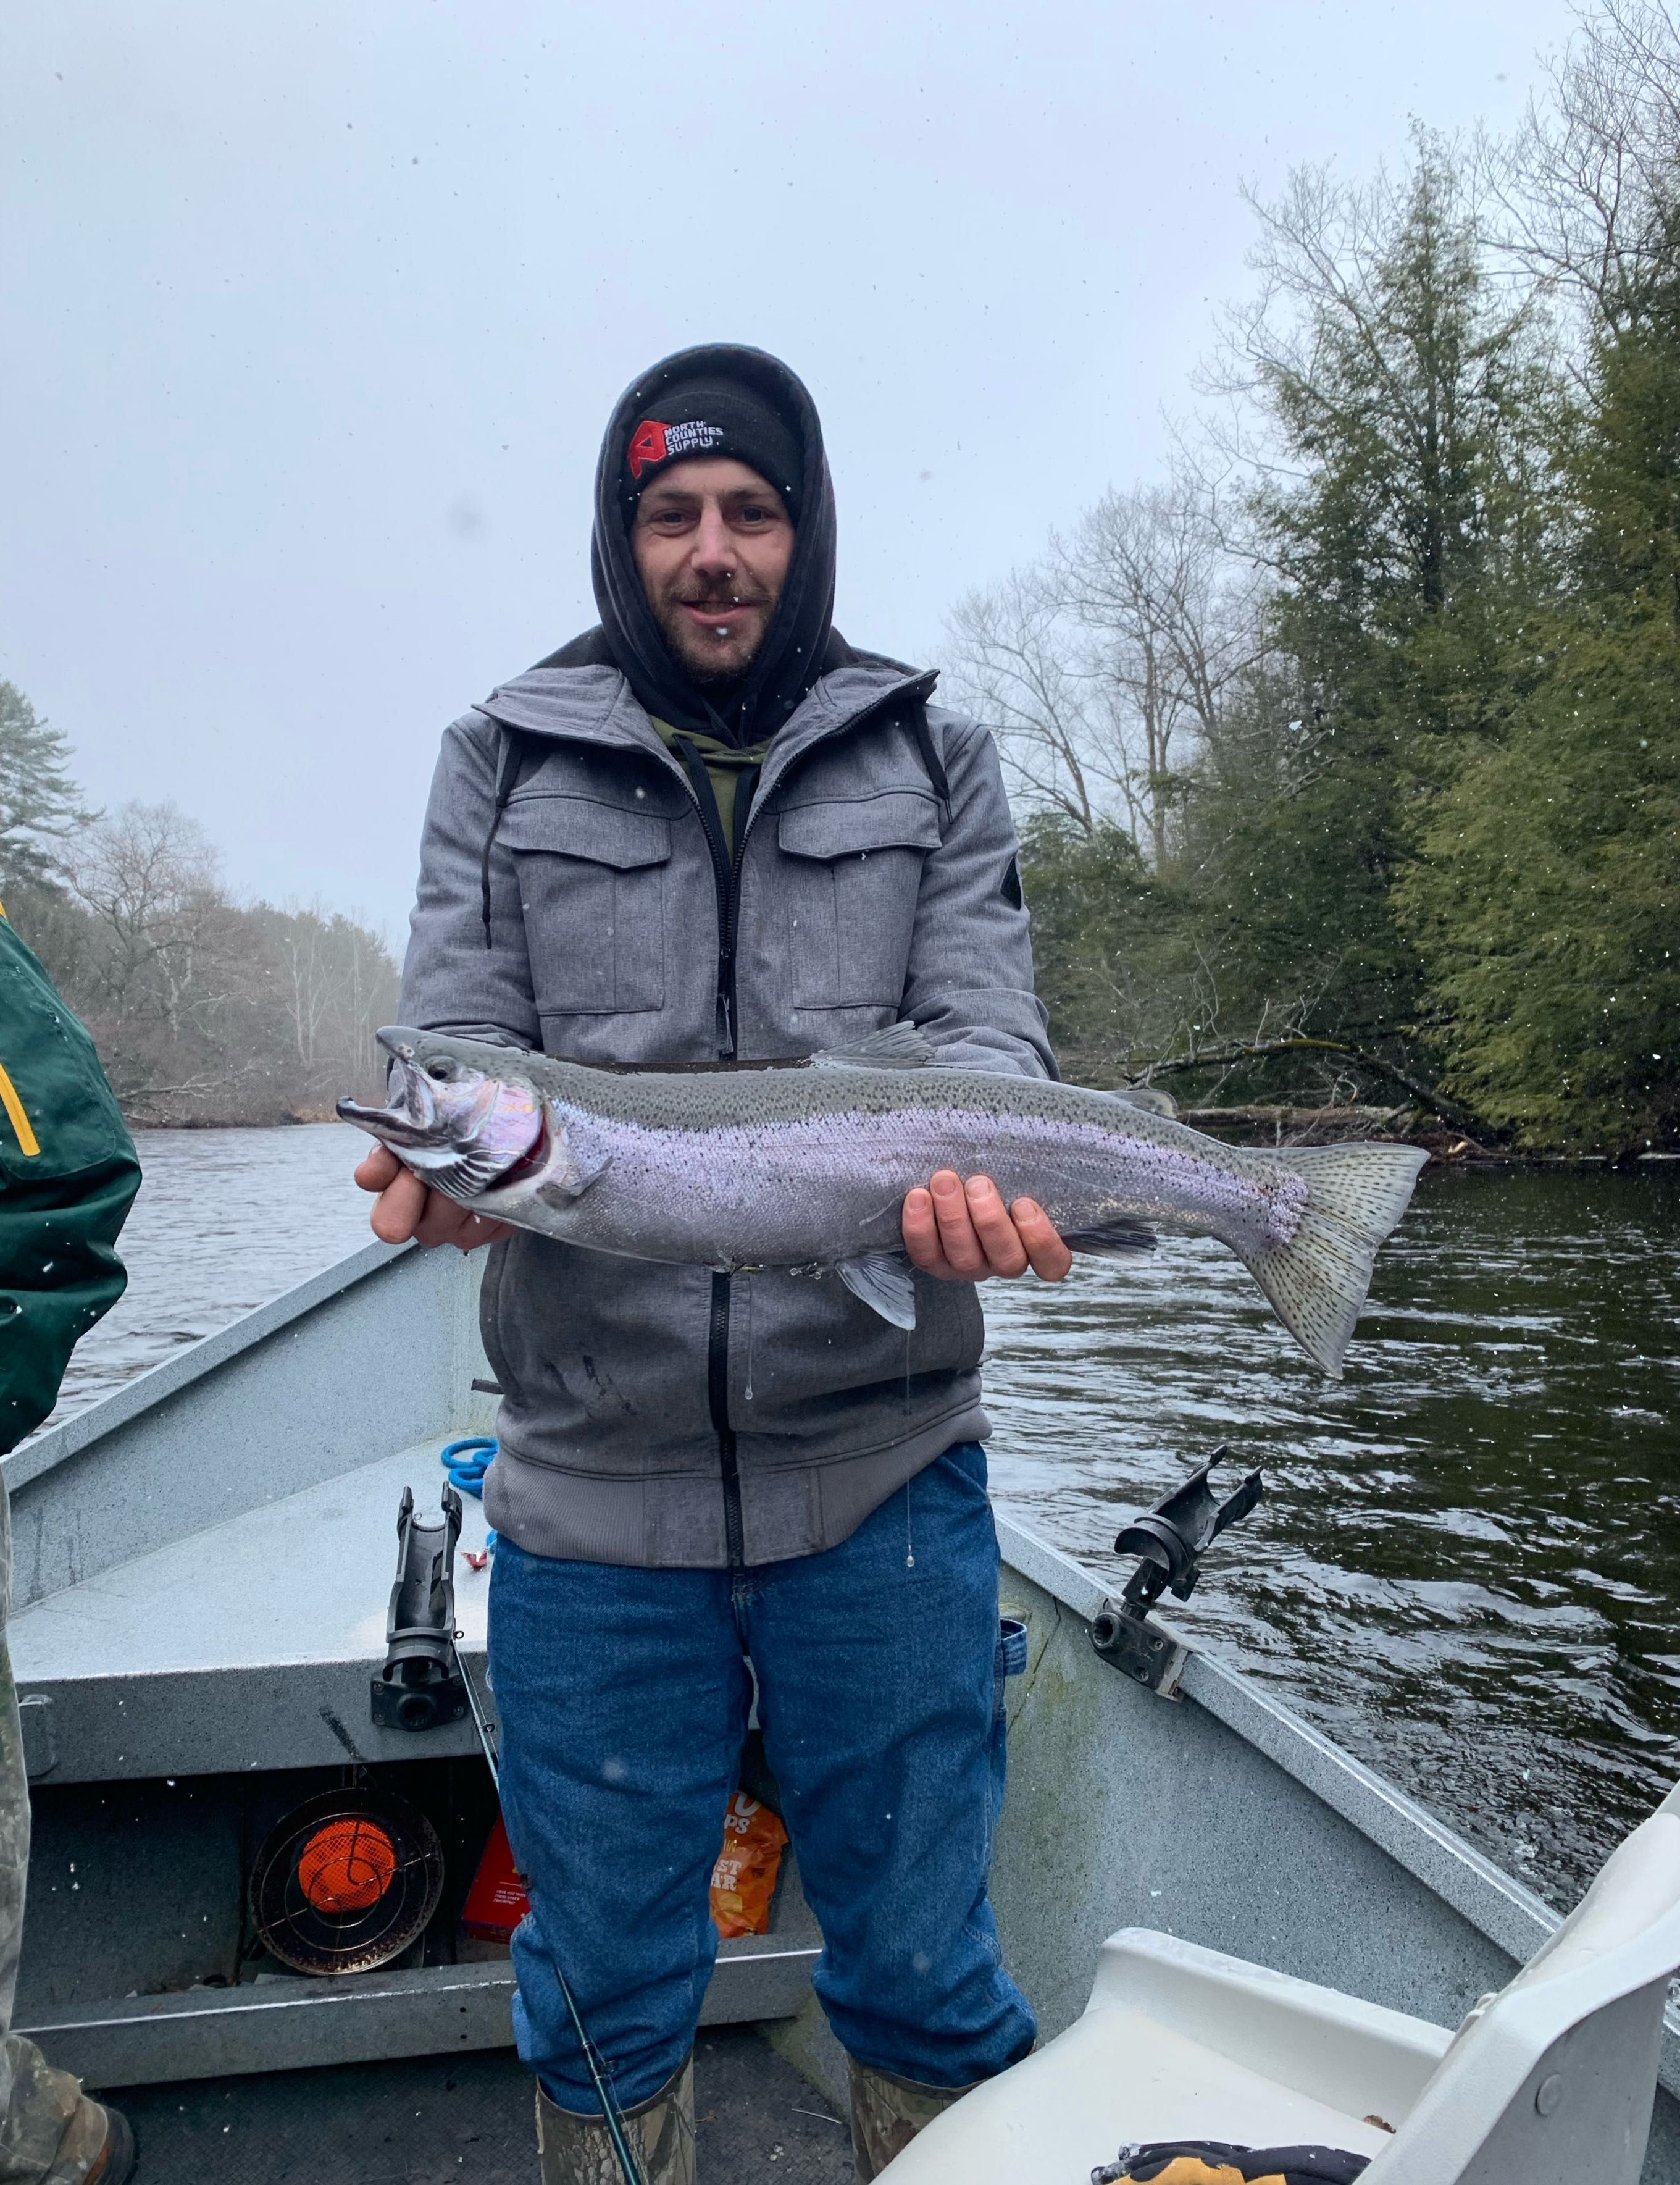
114, 2164
98, 2148
578, 2150
887, 2112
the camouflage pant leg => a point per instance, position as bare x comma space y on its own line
45, 2124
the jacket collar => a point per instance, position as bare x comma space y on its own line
596, 706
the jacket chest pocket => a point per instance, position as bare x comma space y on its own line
592, 885
853, 877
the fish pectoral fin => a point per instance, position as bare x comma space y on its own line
883, 1280
1111, 1240
895, 1047
560, 1189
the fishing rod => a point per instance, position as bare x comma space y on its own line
592, 2057
425, 1681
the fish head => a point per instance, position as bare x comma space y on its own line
460, 1118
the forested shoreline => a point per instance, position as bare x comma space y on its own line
203, 1010
1349, 751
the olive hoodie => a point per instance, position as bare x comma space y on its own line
68, 1176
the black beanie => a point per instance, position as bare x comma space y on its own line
713, 416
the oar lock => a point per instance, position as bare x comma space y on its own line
1171, 1539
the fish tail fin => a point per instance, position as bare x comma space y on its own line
1317, 1281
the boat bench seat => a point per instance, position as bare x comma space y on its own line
1180, 2042
1547, 2082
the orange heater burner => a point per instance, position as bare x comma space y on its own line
346, 1882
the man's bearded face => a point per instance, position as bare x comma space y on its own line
712, 540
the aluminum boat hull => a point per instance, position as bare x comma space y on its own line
202, 1561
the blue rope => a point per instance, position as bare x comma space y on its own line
466, 1469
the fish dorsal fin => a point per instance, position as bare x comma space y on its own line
895, 1047
884, 1281
1144, 1097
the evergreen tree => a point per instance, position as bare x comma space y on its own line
1113, 947
39, 802
1549, 908
1406, 515
1548, 911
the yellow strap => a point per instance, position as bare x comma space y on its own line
15, 1108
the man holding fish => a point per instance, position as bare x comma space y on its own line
710, 832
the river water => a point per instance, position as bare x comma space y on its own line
1467, 1567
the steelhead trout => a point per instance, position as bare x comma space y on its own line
803, 1167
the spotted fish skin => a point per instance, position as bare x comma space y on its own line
805, 1168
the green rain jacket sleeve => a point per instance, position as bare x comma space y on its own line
68, 1176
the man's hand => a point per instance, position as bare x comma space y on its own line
404, 1208
966, 1233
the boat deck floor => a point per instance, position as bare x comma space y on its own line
435, 2121
304, 1579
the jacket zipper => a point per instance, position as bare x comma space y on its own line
726, 876
725, 872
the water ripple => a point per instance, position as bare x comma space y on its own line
225, 1220
1467, 1567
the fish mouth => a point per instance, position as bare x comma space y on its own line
412, 1118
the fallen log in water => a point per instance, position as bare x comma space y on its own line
1281, 1125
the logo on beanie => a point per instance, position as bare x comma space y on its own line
653, 442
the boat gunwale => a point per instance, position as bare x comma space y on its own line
1504, 1909
1508, 1912
56, 1445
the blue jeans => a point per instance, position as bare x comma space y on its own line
623, 1697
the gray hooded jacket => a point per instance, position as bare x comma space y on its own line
874, 879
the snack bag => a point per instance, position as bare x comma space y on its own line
496, 1902
744, 1880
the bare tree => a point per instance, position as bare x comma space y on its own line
1172, 619
368, 991
149, 875
1592, 189
308, 994
1013, 655
1105, 668
202, 1009
336, 983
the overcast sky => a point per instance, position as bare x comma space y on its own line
313, 315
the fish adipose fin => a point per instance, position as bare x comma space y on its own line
884, 1281
1317, 1282
895, 1047
1109, 1240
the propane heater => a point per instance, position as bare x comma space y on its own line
345, 1882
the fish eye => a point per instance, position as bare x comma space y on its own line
441, 1069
